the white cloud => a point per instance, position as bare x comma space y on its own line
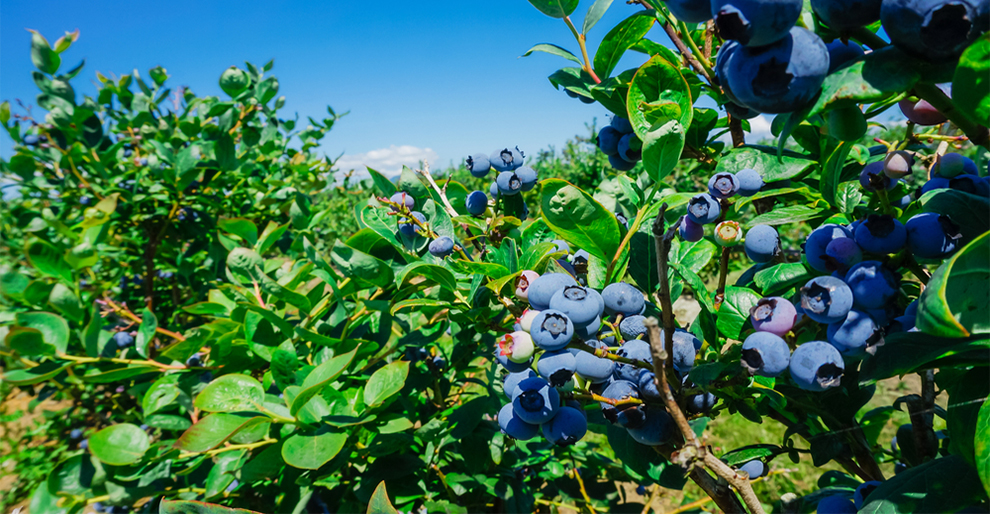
388, 161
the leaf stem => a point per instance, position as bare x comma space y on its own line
582, 42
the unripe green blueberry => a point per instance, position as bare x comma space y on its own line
728, 233
847, 123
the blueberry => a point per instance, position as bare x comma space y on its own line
762, 243
509, 183
478, 164
898, 469
511, 367
840, 53
630, 148
195, 361
143, 427
648, 386
875, 172
703, 209
952, 164
872, 285
750, 182
728, 233
608, 140
527, 176
557, 366
621, 124
535, 401
765, 354
684, 350
783, 76
773, 314
233, 485
621, 218
841, 254
881, 234
842, 15
493, 190
826, 299
476, 203
506, 159
439, 362
407, 227
593, 369
932, 236
31, 140
128, 152
690, 11
552, 330
515, 427
567, 427
85, 200
738, 111
898, 164
626, 414
816, 366
623, 298
580, 257
754, 468
98, 507
836, 505
911, 309
512, 380
855, 336
691, 231
84, 444
559, 245
75, 434
637, 350
619, 163
123, 339
657, 428
641, 489
725, 54
846, 123
543, 288
755, 22
441, 247
526, 278
632, 327
723, 185
516, 346
921, 112
863, 491
701, 403
581, 304
971, 184
683, 335
931, 29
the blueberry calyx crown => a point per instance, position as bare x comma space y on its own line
816, 298
555, 324
763, 310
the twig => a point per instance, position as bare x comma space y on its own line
446, 203
723, 273
654, 492
124, 311
582, 42
736, 131
922, 411
584, 492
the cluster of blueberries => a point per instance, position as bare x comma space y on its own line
403, 202
949, 171
617, 140
513, 177
770, 65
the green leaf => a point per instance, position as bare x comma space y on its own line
555, 8
231, 393
595, 13
552, 50
789, 214
214, 429
848, 197
226, 154
660, 111
361, 266
970, 212
781, 277
578, 219
488, 269
380, 503
971, 83
832, 174
417, 303
619, 39
748, 453
734, 312
63, 300
312, 450
320, 377
966, 396
272, 233
954, 303
941, 485
161, 394
119, 445
42, 55
905, 352
48, 260
146, 333
981, 445
194, 507
113, 374
411, 183
30, 376
244, 228
54, 329
384, 185
385, 382
763, 159
28, 342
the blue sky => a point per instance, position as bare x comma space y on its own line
437, 79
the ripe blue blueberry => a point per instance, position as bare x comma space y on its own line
782, 76
847, 14
479, 165
506, 159
863, 491
123, 339
773, 314
439, 362
872, 174
476, 203
493, 189
621, 124
648, 386
556, 367
581, 304
513, 426
656, 429
683, 335
407, 227
559, 245
31, 139
84, 444
690, 11
512, 380
872, 284
636, 350
754, 468
543, 288
608, 140
818, 241
932, 236
527, 176
856, 336
619, 163
952, 164
750, 182
691, 231
535, 401
826, 299
840, 53
593, 369
632, 327
625, 414
765, 354
684, 349
755, 22
551, 329
725, 53
508, 183
567, 427
590, 330
762, 243
836, 505
911, 309
641, 489
630, 148
841, 254
701, 403
931, 29
703, 209
723, 185
75, 434
85, 200
971, 184
816, 366
441, 247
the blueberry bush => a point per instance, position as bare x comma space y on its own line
181, 270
